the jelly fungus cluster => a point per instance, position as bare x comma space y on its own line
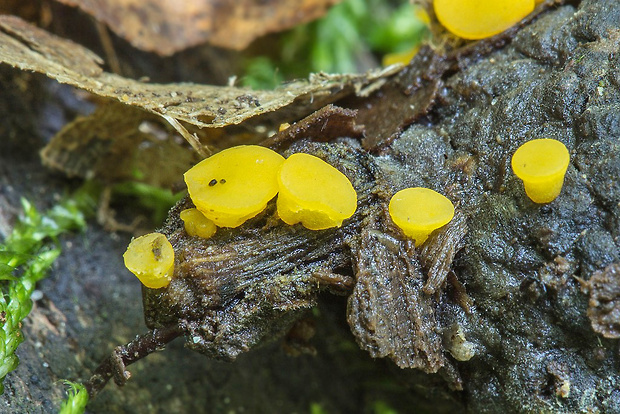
477, 19
541, 164
236, 184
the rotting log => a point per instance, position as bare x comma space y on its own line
511, 326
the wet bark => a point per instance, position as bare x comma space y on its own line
508, 328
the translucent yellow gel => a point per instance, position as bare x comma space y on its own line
196, 224
314, 193
151, 259
477, 19
234, 185
541, 164
419, 211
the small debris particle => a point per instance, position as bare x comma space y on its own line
212, 182
604, 305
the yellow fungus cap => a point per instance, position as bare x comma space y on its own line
196, 224
234, 185
151, 259
400, 57
419, 211
477, 19
422, 15
541, 164
314, 193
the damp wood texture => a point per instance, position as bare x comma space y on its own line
509, 308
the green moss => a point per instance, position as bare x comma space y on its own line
25, 258
156, 200
350, 35
77, 398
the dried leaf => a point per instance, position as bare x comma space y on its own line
30, 48
166, 27
119, 143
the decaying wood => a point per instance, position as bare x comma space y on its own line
437, 254
388, 311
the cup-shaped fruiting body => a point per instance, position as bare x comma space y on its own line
402, 58
477, 19
196, 224
541, 164
314, 193
151, 259
419, 211
234, 185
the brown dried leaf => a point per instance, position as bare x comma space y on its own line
166, 27
119, 143
30, 48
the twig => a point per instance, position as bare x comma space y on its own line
124, 355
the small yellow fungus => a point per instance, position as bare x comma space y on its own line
477, 19
196, 224
400, 57
419, 211
541, 164
314, 193
151, 259
234, 185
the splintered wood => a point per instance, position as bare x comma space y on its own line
388, 312
437, 254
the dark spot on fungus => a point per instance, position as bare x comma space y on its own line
222, 181
212, 182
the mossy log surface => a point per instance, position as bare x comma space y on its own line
499, 309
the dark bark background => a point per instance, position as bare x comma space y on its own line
525, 268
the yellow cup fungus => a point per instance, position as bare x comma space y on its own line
196, 224
419, 211
477, 19
402, 58
314, 193
234, 185
151, 259
541, 164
